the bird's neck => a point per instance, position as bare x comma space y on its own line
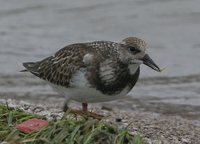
133, 68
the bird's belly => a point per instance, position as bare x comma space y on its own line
81, 91
89, 95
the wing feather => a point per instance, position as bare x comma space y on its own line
59, 68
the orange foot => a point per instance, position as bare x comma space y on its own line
86, 114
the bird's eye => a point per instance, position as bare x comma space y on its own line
134, 50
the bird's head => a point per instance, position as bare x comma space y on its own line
134, 53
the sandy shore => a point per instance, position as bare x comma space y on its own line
155, 128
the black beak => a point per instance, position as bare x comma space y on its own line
149, 62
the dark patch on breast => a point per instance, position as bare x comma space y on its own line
123, 79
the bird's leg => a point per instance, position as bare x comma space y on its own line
85, 107
65, 107
90, 114
72, 111
84, 112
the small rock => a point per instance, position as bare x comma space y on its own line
185, 141
106, 108
118, 119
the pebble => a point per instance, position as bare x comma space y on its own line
118, 119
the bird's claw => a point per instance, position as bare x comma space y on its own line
86, 114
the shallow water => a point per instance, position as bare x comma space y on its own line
31, 30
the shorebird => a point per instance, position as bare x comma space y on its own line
93, 72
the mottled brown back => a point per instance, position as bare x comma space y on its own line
58, 69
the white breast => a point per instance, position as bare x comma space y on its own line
133, 68
81, 90
78, 80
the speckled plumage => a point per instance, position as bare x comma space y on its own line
105, 69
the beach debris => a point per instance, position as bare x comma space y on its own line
32, 125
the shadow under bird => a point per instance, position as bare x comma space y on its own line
93, 72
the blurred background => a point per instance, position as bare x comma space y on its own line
33, 29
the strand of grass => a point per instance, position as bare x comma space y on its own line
138, 139
74, 133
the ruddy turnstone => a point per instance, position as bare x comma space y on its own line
93, 72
